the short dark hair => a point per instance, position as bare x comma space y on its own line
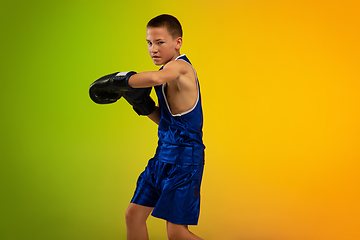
170, 22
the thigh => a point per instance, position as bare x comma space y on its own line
176, 231
179, 202
146, 192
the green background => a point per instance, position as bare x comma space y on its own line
68, 166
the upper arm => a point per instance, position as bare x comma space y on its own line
171, 71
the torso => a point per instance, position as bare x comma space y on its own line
181, 120
182, 93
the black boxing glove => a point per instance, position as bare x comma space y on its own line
140, 99
109, 88
121, 80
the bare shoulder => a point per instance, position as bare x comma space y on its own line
186, 73
179, 65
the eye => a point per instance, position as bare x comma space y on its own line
161, 43
149, 43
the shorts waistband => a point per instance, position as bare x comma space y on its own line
180, 154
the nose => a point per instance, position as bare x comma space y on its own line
153, 48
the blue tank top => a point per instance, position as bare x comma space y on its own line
180, 135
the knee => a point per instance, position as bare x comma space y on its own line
136, 214
130, 216
172, 235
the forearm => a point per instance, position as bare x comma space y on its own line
143, 80
153, 78
155, 115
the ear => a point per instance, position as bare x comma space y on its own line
179, 42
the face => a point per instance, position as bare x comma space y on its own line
161, 45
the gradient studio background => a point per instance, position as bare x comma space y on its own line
280, 85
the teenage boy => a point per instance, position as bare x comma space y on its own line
169, 187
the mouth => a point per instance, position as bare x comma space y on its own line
155, 57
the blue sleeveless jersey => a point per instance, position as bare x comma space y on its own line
180, 135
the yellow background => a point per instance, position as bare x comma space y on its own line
280, 83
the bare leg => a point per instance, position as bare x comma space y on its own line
180, 232
135, 217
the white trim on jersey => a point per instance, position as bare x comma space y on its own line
198, 95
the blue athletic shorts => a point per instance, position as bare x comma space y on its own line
172, 189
